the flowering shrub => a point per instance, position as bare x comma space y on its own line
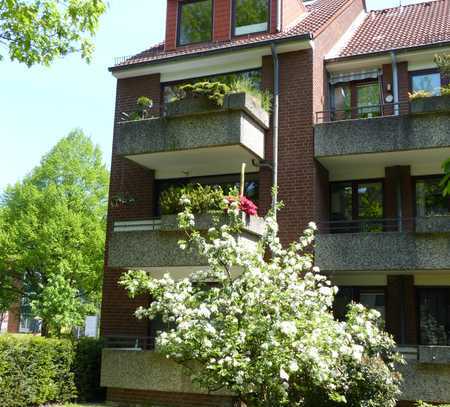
268, 334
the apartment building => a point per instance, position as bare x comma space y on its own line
352, 151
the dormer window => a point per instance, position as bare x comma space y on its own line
250, 16
194, 21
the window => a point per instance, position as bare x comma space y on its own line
368, 100
194, 21
341, 102
227, 182
356, 206
434, 315
253, 77
429, 198
427, 82
370, 297
251, 16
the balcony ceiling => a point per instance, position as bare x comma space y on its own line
197, 162
361, 166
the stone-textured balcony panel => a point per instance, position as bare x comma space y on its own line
432, 104
196, 137
433, 224
427, 382
434, 355
146, 370
157, 246
382, 251
382, 135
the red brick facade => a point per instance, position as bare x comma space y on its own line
303, 182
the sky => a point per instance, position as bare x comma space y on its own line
40, 105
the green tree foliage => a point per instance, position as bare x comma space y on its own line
53, 233
38, 31
446, 179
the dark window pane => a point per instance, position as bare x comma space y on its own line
434, 315
251, 16
373, 300
368, 100
343, 298
429, 198
370, 206
341, 207
430, 82
341, 102
195, 22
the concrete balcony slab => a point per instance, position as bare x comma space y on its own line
154, 244
196, 137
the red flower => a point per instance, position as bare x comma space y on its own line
246, 205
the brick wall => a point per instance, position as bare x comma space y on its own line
295, 155
401, 309
222, 20
161, 399
137, 182
170, 42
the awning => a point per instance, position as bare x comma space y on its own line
354, 76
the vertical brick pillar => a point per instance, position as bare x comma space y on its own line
388, 88
296, 165
399, 177
321, 197
265, 174
222, 20
401, 309
170, 42
403, 87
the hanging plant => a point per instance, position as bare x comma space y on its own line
122, 199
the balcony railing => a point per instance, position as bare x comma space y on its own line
363, 112
130, 342
432, 104
422, 224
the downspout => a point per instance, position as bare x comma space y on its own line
395, 83
276, 97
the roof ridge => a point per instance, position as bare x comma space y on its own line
403, 6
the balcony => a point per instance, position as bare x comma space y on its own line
195, 137
418, 136
138, 369
385, 244
153, 244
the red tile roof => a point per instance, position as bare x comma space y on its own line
409, 26
319, 14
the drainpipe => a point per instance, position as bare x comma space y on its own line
278, 14
395, 83
276, 97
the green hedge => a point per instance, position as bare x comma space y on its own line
86, 367
35, 370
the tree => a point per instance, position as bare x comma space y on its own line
37, 31
53, 233
446, 180
269, 334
